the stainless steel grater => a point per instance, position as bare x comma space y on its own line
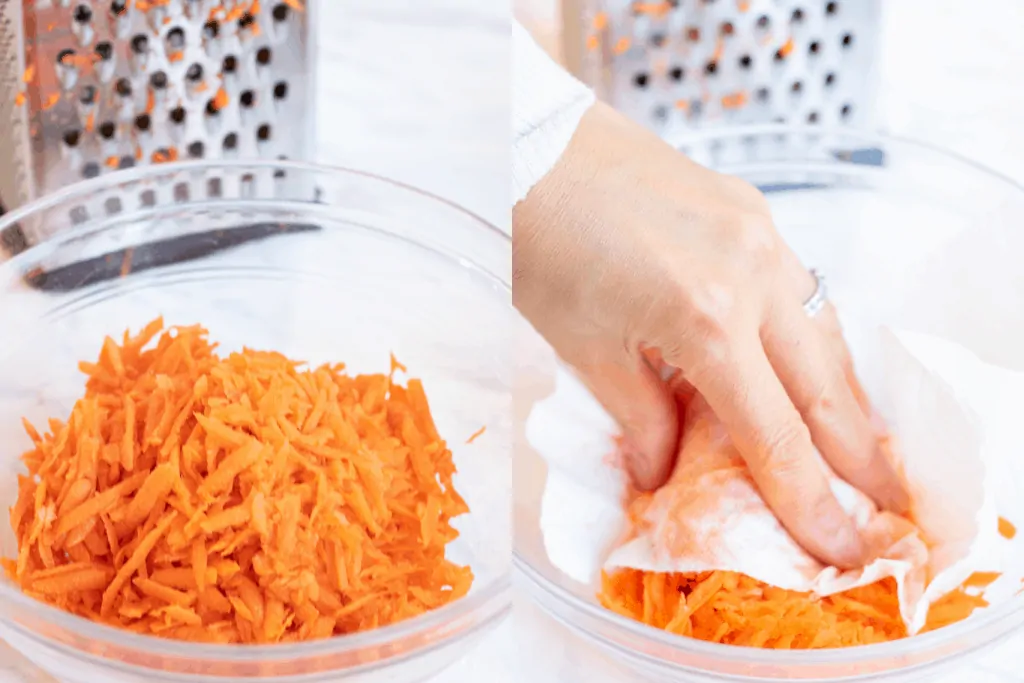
675, 64
90, 87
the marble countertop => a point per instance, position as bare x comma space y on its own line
419, 92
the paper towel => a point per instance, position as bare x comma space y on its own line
928, 390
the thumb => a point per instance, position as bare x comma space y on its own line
645, 409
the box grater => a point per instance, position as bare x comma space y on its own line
682, 63
91, 87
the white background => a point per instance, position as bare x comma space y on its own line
418, 90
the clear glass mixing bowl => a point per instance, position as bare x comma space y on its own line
319, 264
910, 236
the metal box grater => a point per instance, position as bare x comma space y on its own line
94, 86
683, 63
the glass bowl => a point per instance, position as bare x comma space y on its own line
911, 236
319, 264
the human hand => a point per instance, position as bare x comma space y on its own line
628, 254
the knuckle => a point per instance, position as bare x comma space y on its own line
754, 238
785, 451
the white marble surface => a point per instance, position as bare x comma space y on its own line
418, 91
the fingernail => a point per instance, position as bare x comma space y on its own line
849, 550
639, 467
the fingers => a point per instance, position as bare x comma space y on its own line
642, 404
814, 377
747, 396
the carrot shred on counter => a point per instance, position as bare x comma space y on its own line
734, 609
237, 499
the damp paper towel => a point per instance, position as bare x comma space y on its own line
710, 517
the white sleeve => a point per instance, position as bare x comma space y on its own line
547, 105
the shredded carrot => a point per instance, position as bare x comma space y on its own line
295, 5
600, 21
735, 100
477, 434
19, 99
29, 75
593, 42
787, 47
622, 46
237, 498
731, 608
51, 100
1006, 528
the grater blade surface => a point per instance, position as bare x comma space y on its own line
92, 87
678, 64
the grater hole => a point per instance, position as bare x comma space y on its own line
846, 111
194, 73
158, 80
247, 98
763, 21
90, 170
88, 95
693, 34
280, 12
247, 21
830, 78
658, 39
711, 68
230, 64
660, 112
176, 38
104, 50
78, 215
676, 73
727, 28
143, 122
196, 149
214, 188
640, 80
812, 117
763, 94
112, 206
798, 16
118, 7
279, 174
72, 136
797, 87
280, 90
263, 56
178, 115
263, 132
211, 29
847, 39
181, 192
780, 56
211, 107
231, 141
147, 198
123, 87
832, 8
83, 14
107, 130
127, 161
66, 58
140, 44
746, 61
814, 48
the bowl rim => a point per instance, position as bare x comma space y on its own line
491, 600
141, 173
735, 654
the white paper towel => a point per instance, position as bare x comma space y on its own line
942, 404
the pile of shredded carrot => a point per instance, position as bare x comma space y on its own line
237, 499
734, 609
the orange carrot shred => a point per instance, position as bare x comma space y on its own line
731, 608
477, 434
239, 498
1006, 528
